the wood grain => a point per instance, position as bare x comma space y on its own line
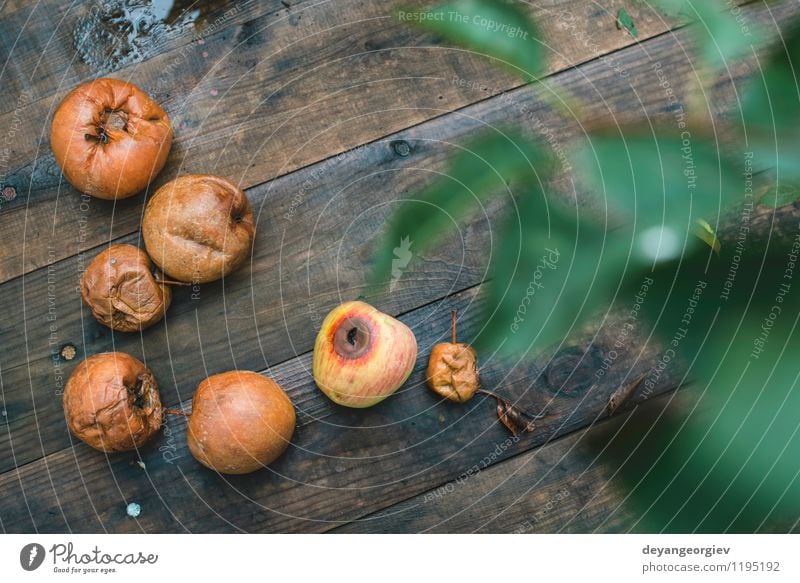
52, 45
264, 97
343, 463
316, 232
560, 487
317, 228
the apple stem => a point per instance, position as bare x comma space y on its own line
170, 281
453, 325
177, 412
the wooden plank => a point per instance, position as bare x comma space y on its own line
317, 230
343, 463
52, 45
560, 487
262, 98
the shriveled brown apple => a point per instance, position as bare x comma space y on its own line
111, 402
453, 374
109, 138
121, 290
198, 228
453, 369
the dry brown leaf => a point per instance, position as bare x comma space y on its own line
622, 394
516, 420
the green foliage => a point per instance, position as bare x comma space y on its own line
482, 168
625, 20
730, 464
668, 178
552, 269
719, 37
497, 30
770, 110
779, 195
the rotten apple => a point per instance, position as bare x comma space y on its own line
453, 374
198, 228
361, 355
121, 290
241, 422
453, 370
110, 139
111, 402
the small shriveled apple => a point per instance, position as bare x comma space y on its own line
111, 402
361, 355
453, 369
241, 422
453, 374
121, 290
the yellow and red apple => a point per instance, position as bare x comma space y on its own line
361, 355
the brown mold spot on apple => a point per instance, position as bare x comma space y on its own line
352, 337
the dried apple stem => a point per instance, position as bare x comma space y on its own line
177, 412
453, 325
170, 281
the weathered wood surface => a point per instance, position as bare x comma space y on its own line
269, 91
273, 305
565, 486
561, 487
343, 463
52, 45
317, 228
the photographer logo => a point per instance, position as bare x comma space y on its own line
31, 556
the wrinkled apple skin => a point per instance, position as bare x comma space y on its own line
362, 369
453, 371
120, 289
110, 139
111, 402
198, 228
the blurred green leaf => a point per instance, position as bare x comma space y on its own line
728, 460
669, 179
706, 234
625, 20
770, 110
719, 37
750, 371
482, 168
502, 31
779, 195
551, 270
731, 463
